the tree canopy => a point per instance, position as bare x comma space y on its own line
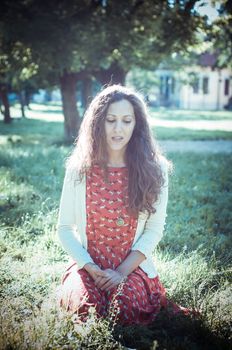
221, 34
78, 39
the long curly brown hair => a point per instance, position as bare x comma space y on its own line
142, 156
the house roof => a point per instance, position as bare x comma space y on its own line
207, 59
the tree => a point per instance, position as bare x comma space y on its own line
57, 35
78, 39
16, 68
221, 34
143, 80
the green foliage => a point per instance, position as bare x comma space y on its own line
129, 33
16, 64
220, 33
142, 80
47, 327
55, 40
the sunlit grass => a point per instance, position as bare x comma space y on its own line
178, 133
183, 114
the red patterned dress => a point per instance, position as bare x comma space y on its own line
109, 243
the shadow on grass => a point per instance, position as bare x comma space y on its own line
172, 332
32, 131
22, 125
47, 111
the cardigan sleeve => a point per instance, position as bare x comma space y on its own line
154, 226
67, 225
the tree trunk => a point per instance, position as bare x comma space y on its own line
86, 92
6, 105
27, 98
113, 75
72, 120
22, 103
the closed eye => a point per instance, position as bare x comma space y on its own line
113, 120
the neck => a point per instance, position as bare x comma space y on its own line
116, 159
113, 164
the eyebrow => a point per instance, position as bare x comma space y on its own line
127, 115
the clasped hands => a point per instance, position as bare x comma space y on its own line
105, 279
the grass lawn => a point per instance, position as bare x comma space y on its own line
193, 258
191, 125
166, 123
168, 133
182, 114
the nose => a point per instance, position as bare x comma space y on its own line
118, 126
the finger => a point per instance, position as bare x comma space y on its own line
104, 277
115, 282
111, 287
101, 273
107, 274
108, 286
101, 282
104, 282
112, 283
98, 281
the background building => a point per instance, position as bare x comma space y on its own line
202, 86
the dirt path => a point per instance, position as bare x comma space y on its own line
217, 146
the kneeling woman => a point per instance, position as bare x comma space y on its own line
112, 211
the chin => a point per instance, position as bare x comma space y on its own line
117, 148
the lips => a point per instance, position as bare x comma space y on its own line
117, 138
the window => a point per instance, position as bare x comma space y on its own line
205, 85
195, 85
173, 85
167, 82
227, 87
161, 85
194, 82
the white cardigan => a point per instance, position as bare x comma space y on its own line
72, 223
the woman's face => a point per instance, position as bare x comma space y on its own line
119, 126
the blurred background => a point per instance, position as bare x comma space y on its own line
178, 54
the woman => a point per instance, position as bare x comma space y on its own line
112, 211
